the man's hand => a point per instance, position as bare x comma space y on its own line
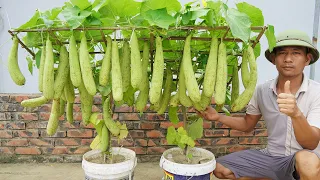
287, 102
209, 114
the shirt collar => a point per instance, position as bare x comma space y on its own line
303, 87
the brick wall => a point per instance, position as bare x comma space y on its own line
23, 136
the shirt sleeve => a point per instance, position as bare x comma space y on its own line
253, 107
313, 116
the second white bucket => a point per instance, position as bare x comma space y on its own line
117, 171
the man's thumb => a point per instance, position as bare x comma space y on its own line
287, 87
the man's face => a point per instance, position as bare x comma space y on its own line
291, 60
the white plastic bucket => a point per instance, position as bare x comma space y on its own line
188, 170
117, 171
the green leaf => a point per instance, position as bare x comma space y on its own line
104, 90
159, 17
257, 50
98, 4
254, 13
173, 115
215, 6
128, 96
95, 144
239, 24
30, 64
191, 142
75, 16
124, 8
198, 13
32, 22
49, 16
123, 131
226, 111
195, 130
82, 4
171, 135
271, 37
171, 5
38, 57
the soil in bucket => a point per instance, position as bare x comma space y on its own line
102, 158
198, 157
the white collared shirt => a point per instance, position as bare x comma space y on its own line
281, 138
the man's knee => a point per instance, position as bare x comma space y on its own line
222, 172
307, 163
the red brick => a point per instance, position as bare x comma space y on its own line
203, 142
26, 133
216, 133
12, 125
224, 141
41, 142
80, 133
236, 148
154, 116
236, 133
220, 125
5, 116
77, 116
123, 108
5, 134
36, 125
82, 150
86, 142
155, 150
57, 134
260, 132
129, 116
15, 142
66, 142
154, 134
147, 125
163, 142
123, 142
138, 150
76, 108
151, 143
27, 150
6, 150
141, 142
97, 99
207, 125
74, 125
253, 140
45, 108
44, 116
136, 133
95, 108
20, 98
77, 99
260, 124
28, 116
60, 150
165, 125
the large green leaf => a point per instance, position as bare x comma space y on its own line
159, 17
171, 135
75, 16
82, 4
50, 16
254, 13
257, 50
124, 8
195, 130
215, 6
271, 37
171, 5
32, 21
239, 24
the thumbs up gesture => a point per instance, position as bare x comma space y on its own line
287, 102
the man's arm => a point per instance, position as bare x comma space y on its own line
245, 124
307, 136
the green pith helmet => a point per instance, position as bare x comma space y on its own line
294, 38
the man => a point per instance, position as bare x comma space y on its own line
290, 106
